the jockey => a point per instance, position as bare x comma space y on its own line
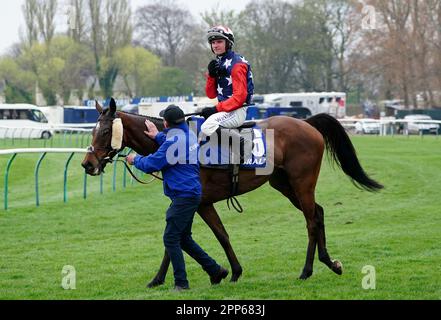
230, 80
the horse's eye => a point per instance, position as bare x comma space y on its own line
106, 132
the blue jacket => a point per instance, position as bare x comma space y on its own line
177, 158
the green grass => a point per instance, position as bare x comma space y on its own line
114, 240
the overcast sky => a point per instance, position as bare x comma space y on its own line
11, 16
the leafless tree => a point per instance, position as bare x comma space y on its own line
46, 12
403, 51
39, 18
77, 20
164, 28
110, 29
29, 9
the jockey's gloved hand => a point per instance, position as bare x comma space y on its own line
213, 68
222, 72
208, 112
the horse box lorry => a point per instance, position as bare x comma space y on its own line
311, 103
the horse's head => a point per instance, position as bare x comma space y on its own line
106, 141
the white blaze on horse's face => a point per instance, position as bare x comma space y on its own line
101, 140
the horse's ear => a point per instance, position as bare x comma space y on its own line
112, 106
98, 107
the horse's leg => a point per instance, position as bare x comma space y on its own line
306, 200
159, 279
279, 180
324, 257
211, 218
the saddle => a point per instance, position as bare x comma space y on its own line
247, 125
246, 132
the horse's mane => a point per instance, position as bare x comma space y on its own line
159, 123
152, 119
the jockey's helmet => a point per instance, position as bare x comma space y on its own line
221, 32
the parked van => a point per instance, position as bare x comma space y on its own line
23, 121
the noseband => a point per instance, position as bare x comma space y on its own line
103, 161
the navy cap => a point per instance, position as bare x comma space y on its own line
173, 114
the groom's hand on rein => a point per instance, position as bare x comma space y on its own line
131, 159
152, 131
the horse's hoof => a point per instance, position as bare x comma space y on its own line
235, 277
337, 267
305, 275
155, 283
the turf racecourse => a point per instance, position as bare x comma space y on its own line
114, 240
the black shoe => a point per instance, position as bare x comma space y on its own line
219, 276
179, 288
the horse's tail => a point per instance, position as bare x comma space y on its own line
342, 151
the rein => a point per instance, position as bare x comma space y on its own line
131, 172
109, 159
235, 204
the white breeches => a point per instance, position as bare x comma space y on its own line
228, 120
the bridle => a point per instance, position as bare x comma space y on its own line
103, 161
109, 158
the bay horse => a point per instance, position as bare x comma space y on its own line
298, 151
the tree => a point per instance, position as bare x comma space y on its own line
139, 69
77, 21
268, 41
39, 18
164, 29
19, 84
217, 16
59, 68
77, 67
110, 29
344, 27
170, 81
29, 9
402, 53
46, 12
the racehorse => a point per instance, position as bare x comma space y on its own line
298, 151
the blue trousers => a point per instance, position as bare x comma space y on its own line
177, 237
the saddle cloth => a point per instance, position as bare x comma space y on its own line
216, 153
